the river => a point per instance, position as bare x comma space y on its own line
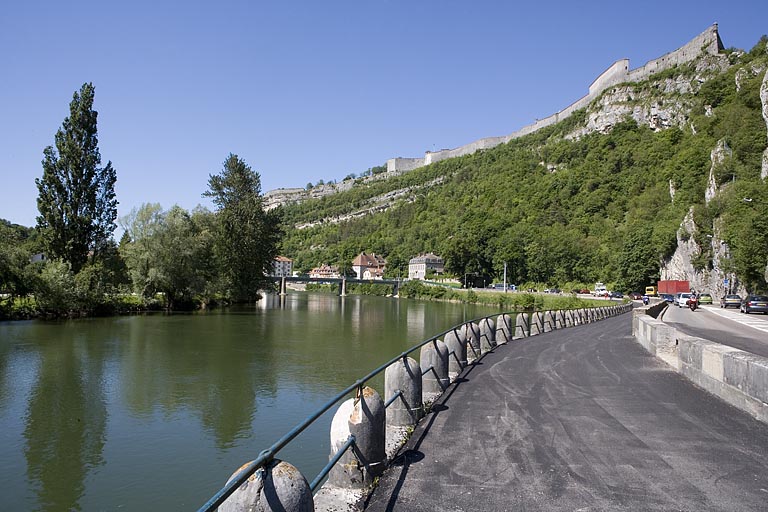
155, 412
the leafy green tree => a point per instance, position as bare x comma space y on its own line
638, 262
248, 236
14, 259
76, 198
169, 252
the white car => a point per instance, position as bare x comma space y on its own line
682, 299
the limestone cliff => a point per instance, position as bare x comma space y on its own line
680, 265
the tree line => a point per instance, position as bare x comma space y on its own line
69, 263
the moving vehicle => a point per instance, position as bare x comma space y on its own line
600, 290
693, 302
705, 298
617, 295
682, 299
755, 304
668, 297
650, 291
635, 296
673, 286
731, 301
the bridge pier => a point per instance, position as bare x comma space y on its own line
343, 287
282, 286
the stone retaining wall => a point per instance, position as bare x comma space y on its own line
738, 377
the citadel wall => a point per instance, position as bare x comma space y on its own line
707, 42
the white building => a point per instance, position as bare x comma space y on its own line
325, 272
369, 266
418, 266
282, 266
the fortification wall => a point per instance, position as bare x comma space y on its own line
615, 74
404, 164
708, 42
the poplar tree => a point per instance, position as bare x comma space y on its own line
248, 236
76, 198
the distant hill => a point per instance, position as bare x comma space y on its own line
658, 176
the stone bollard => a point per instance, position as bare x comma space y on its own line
487, 335
560, 321
522, 326
472, 337
434, 381
547, 323
278, 486
536, 319
364, 417
457, 352
568, 318
404, 375
504, 329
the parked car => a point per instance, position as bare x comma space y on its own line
668, 297
705, 298
731, 301
755, 304
682, 299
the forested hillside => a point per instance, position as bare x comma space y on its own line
567, 206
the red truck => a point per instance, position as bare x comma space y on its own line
674, 287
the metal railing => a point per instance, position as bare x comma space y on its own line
268, 455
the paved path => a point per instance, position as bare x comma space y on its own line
578, 419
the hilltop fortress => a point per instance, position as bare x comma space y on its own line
707, 42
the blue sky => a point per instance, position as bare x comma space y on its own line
304, 91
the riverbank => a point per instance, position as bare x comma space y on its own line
505, 301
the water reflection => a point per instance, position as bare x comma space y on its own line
151, 412
65, 423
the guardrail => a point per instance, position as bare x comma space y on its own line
364, 425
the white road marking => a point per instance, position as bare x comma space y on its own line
758, 322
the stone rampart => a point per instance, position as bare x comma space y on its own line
736, 376
615, 74
706, 42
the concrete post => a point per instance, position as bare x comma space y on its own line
504, 329
435, 381
522, 326
547, 322
343, 288
487, 335
536, 319
282, 286
278, 486
457, 352
472, 336
569, 318
364, 417
404, 376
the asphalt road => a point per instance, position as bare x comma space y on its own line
725, 326
578, 419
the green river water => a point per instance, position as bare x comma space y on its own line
155, 412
